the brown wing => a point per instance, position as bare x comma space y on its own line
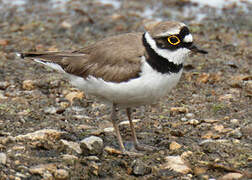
113, 59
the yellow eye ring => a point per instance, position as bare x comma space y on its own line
171, 40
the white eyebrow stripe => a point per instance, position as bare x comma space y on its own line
170, 32
188, 38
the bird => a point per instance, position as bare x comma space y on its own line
126, 70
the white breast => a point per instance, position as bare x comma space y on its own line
148, 88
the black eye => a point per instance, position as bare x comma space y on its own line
174, 40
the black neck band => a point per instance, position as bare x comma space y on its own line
158, 62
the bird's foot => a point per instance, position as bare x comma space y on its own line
143, 147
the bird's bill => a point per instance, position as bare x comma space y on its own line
195, 49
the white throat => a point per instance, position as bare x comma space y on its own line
176, 56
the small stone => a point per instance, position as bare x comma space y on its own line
205, 177
47, 176
66, 25
28, 85
2, 96
211, 120
50, 110
247, 131
61, 174
71, 146
4, 42
94, 168
194, 122
92, 145
234, 121
74, 95
64, 105
176, 163
207, 135
92, 158
186, 154
174, 145
20, 175
189, 115
177, 133
199, 170
85, 126
108, 129
218, 127
3, 158
226, 97
2, 147
232, 176
69, 159
235, 134
184, 119
44, 134
4, 85
179, 110
127, 122
139, 168
42, 168
111, 150
209, 146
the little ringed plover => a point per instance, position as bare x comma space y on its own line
127, 70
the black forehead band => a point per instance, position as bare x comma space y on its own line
183, 32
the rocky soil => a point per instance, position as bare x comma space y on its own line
50, 130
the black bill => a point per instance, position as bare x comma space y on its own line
194, 49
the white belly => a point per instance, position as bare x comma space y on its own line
148, 88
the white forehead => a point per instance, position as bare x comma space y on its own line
188, 38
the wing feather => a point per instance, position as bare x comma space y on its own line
114, 59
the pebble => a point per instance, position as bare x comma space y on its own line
92, 158
61, 174
194, 122
28, 85
42, 168
174, 145
111, 150
108, 129
4, 85
92, 145
234, 121
20, 175
184, 119
209, 146
186, 154
235, 134
232, 176
2, 96
44, 134
199, 170
179, 110
189, 115
3, 158
69, 159
177, 164
139, 168
50, 110
47, 176
127, 122
70, 146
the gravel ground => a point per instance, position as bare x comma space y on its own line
50, 130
